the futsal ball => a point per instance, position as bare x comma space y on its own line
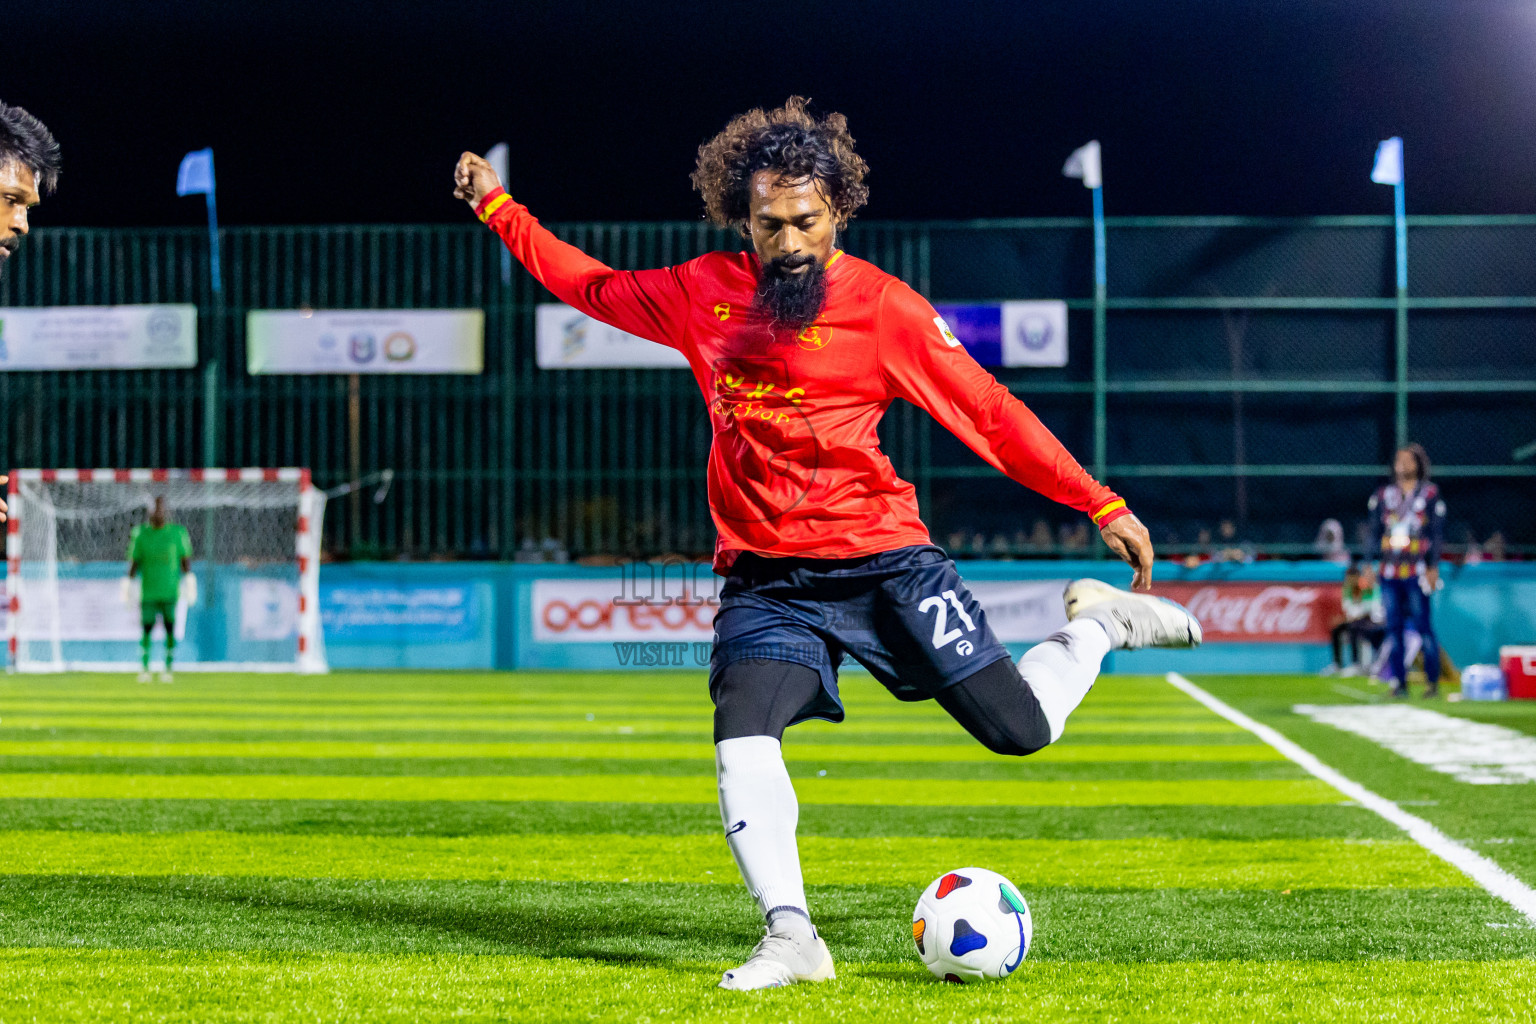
972, 925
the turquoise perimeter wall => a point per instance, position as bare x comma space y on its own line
478, 615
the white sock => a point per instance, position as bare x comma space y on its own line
759, 811
1061, 670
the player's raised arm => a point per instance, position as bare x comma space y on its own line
926, 364
649, 303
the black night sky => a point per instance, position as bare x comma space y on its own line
322, 111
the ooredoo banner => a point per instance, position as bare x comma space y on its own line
1259, 612
597, 611
365, 341
98, 337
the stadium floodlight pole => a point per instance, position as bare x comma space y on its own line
195, 177
497, 156
1086, 163
1388, 170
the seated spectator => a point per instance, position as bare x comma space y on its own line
1074, 539
1230, 549
1202, 550
1363, 622
1329, 544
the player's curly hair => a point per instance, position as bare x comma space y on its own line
789, 140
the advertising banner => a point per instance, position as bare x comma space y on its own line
595, 611
365, 341
1021, 612
405, 613
269, 609
1259, 612
89, 609
1024, 333
98, 337
567, 339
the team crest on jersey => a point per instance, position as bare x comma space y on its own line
945, 334
723, 310
814, 338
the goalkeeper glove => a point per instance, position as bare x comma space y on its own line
128, 586
189, 589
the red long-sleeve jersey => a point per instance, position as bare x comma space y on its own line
796, 468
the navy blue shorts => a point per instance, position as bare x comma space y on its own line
905, 615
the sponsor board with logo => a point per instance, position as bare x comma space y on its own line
605, 610
88, 610
567, 339
1024, 611
365, 341
98, 337
1250, 612
1022, 333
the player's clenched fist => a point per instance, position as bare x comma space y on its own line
474, 179
1129, 539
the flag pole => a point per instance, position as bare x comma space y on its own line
1100, 346
1400, 224
213, 242
211, 367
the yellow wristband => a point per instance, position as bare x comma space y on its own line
492, 206
1114, 506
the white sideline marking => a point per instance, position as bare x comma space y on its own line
1475, 866
1475, 752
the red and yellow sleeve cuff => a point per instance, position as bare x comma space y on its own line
1110, 512
493, 201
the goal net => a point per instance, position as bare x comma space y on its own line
255, 541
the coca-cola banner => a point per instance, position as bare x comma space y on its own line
1259, 612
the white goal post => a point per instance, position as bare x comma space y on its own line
256, 555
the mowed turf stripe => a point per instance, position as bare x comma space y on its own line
677, 922
474, 817
1092, 863
664, 789
218, 986
941, 729
971, 772
635, 750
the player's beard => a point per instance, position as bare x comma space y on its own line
8, 249
792, 300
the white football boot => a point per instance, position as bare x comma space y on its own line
1132, 620
145, 677
785, 956
166, 677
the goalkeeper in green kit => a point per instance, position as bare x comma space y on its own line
160, 555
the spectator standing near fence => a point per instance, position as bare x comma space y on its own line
1407, 533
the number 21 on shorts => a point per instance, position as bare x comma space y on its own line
941, 636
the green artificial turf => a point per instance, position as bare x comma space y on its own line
475, 847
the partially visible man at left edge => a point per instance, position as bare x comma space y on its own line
29, 166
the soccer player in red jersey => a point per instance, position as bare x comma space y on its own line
799, 348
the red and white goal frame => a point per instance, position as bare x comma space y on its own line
308, 652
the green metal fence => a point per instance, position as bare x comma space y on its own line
1258, 370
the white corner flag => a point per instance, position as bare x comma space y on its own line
1388, 169
195, 175
1084, 164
